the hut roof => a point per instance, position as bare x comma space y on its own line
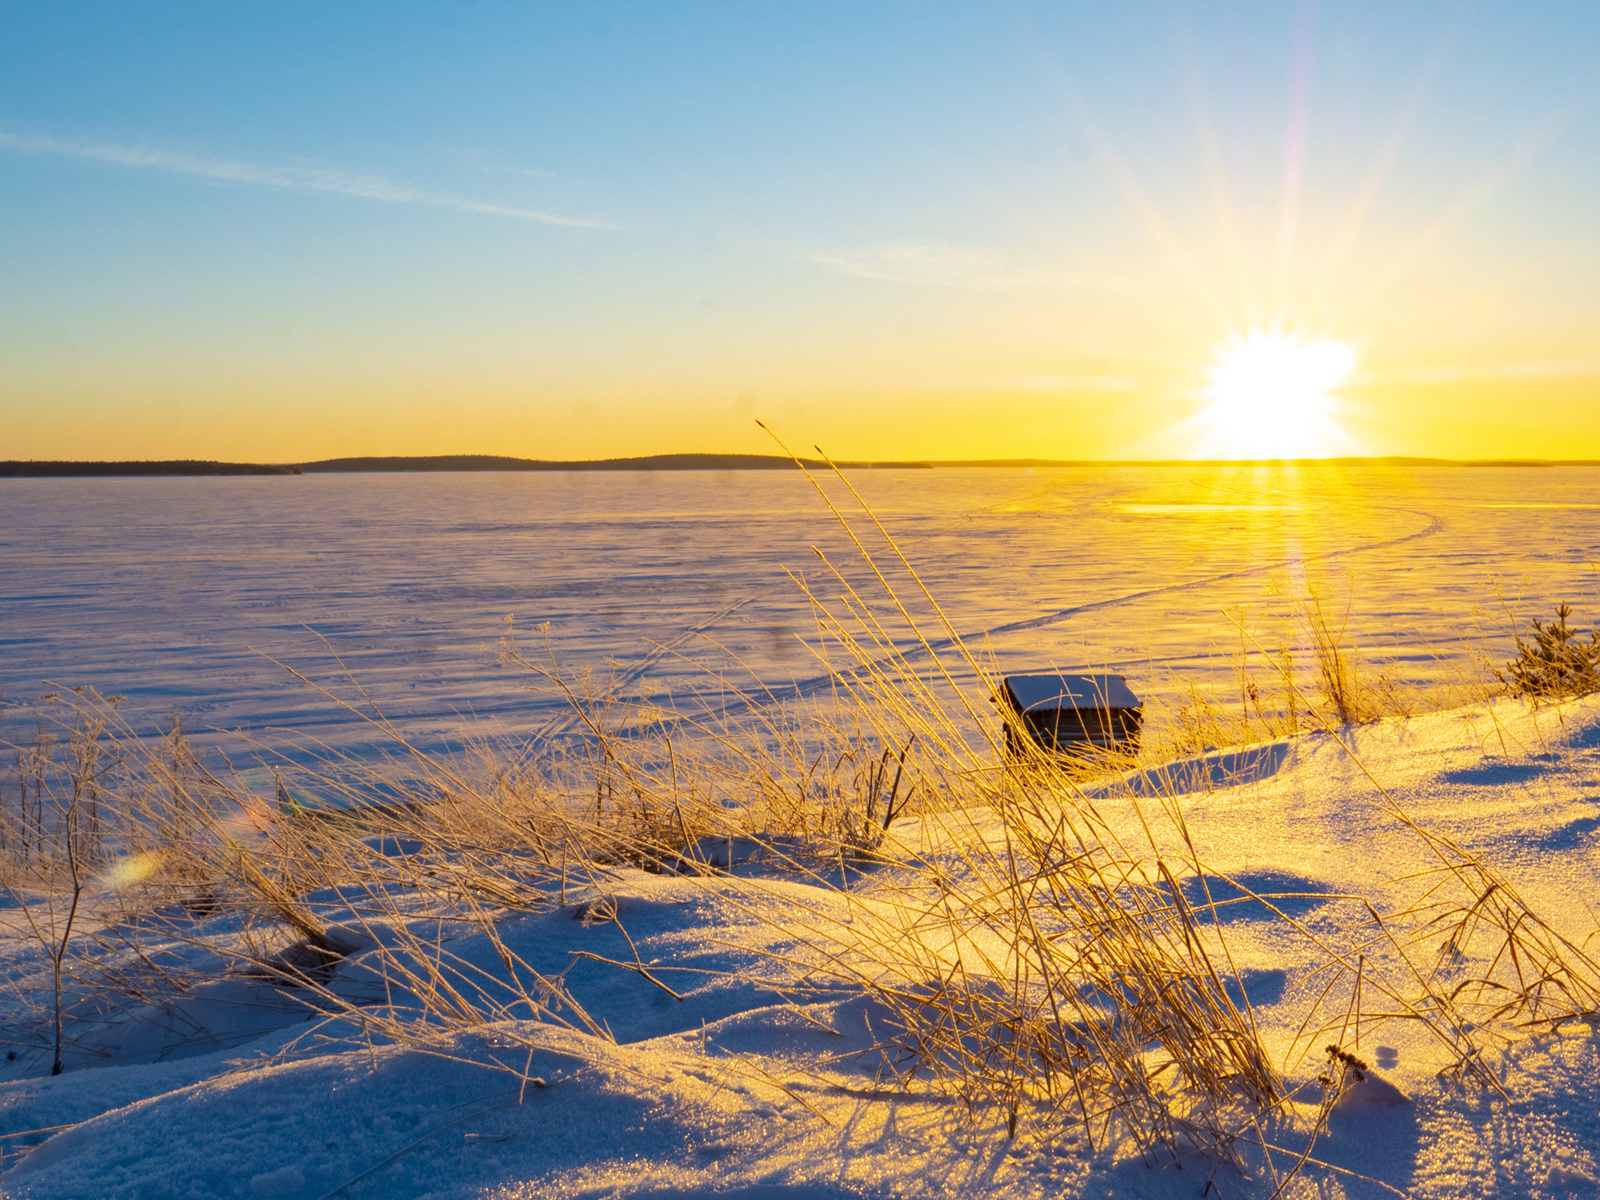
1031, 692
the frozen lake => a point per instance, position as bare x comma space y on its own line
171, 591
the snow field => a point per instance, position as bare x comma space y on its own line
783, 1068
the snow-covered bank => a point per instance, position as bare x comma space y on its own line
764, 1080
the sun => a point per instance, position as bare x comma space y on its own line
1271, 393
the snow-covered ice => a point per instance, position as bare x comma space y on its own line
164, 590
755, 1083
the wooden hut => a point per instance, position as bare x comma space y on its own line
1071, 714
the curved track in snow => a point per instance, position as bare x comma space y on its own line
808, 687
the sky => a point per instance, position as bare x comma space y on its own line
898, 230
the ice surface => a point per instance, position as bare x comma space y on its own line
171, 590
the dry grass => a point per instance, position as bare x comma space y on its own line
1297, 668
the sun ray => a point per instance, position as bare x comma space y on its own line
1403, 263
1179, 258
1294, 146
1223, 204
1349, 229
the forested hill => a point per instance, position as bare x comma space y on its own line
180, 466
653, 462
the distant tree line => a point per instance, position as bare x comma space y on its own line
184, 466
658, 462
652, 462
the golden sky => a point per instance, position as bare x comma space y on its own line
914, 231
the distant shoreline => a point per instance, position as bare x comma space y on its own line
35, 469
31, 469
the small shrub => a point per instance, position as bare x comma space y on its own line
1554, 661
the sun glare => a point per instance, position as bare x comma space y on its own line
1271, 394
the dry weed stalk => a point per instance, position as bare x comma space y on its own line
1270, 665
1034, 976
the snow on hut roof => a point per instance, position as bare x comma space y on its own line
1029, 692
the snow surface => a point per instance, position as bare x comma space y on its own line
164, 589
750, 1086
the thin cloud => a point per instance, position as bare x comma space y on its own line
1056, 383
1547, 369
297, 179
939, 264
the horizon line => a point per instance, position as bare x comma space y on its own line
693, 461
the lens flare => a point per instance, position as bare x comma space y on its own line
132, 869
1271, 394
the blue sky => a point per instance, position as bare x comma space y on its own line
286, 231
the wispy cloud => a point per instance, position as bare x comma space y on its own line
939, 264
296, 179
1066, 384
1071, 383
1547, 369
